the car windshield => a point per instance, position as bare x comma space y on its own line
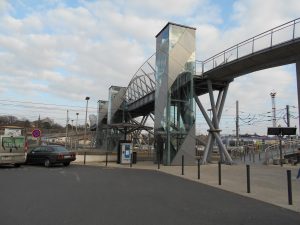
59, 149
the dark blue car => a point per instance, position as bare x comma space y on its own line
49, 155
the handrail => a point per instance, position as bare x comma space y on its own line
275, 147
254, 37
249, 40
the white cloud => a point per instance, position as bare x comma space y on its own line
254, 89
71, 52
5, 7
265, 14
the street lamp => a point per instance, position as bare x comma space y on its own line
77, 122
87, 102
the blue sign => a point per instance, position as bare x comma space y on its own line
127, 154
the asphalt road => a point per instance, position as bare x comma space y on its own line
82, 195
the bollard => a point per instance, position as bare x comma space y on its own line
253, 156
259, 155
219, 167
280, 151
289, 184
158, 161
130, 159
182, 165
248, 178
84, 158
244, 156
106, 159
198, 169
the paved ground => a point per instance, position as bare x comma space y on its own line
268, 183
90, 195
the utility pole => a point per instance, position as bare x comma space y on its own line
273, 94
237, 127
288, 115
39, 122
67, 128
71, 139
77, 139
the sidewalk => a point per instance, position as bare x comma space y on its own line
268, 183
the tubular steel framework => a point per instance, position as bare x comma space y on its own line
143, 81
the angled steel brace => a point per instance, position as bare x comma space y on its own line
152, 116
151, 67
214, 123
151, 81
211, 138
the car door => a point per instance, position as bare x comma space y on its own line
33, 156
43, 154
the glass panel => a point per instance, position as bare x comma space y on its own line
174, 105
57, 149
297, 29
282, 34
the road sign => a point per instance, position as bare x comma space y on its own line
36, 133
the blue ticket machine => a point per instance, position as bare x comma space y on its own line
126, 153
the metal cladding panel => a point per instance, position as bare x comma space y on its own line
174, 113
102, 110
161, 78
182, 54
161, 101
187, 149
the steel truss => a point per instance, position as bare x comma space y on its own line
139, 127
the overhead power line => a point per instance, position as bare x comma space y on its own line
40, 103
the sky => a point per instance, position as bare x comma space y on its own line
54, 53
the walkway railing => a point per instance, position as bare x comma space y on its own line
268, 39
288, 147
143, 81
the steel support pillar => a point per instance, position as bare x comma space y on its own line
298, 89
211, 138
214, 131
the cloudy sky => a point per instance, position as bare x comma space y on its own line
58, 52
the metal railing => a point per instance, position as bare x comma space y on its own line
143, 81
268, 39
288, 147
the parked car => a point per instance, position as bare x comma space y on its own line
49, 155
12, 150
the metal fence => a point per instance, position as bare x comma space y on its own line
273, 151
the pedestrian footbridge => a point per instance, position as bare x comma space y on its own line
167, 84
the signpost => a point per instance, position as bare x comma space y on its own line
280, 132
36, 133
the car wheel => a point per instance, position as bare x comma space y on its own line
47, 163
17, 165
66, 163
